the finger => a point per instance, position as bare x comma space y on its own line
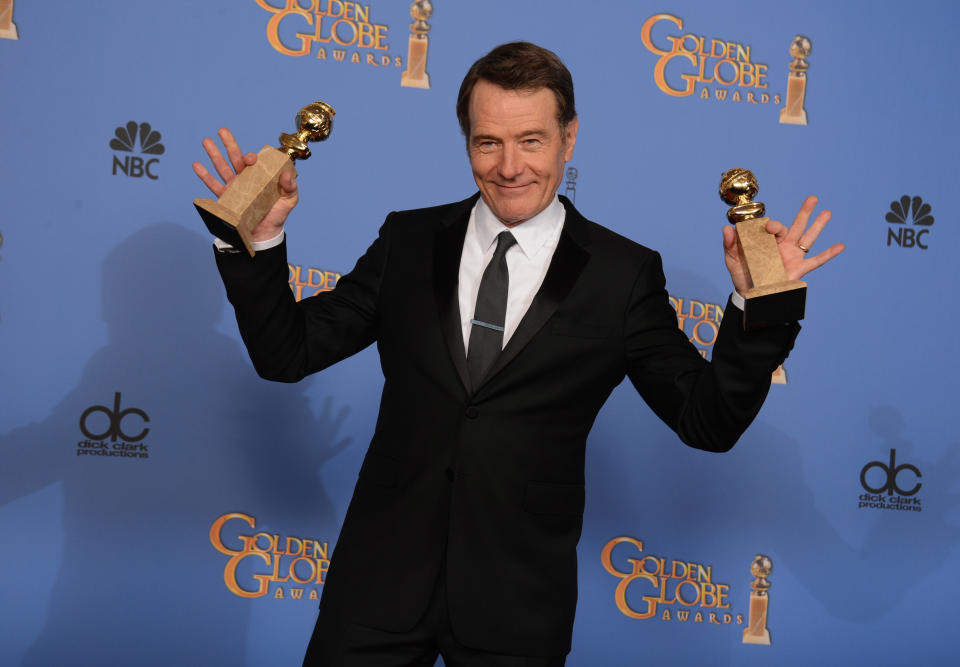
224, 170
778, 229
810, 235
250, 159
799, 223
729, 239
818, 260
215, 186
233, 150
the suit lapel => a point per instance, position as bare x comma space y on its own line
565, 267
446, 275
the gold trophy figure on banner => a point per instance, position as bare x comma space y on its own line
249, 197
772, 298
756, 631
415, 76
793, 112
8, 29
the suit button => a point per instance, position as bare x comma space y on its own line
450, 474
472, 412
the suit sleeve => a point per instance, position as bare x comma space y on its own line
287, 340
708, 404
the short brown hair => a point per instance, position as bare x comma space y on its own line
519, 66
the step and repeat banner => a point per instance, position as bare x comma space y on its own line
160, 504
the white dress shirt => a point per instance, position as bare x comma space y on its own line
527, 260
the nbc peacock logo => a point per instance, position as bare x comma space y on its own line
125, 141
910, 221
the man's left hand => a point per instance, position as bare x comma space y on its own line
793, 243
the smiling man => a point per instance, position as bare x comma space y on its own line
518, 145
525, 318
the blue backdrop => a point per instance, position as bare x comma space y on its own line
132, 422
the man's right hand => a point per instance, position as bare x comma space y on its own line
272, 224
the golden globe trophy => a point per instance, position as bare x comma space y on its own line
248, 198
8, 29
415, 76
793, 112
771, 298
756, 631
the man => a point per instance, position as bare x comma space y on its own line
528, 316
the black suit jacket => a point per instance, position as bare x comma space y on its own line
489, 479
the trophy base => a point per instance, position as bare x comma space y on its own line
413, 80
762, 638
756, 631
787, 118
770, 305
415, 76
223, 223
247, 200
10, 32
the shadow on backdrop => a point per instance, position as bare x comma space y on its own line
140, 582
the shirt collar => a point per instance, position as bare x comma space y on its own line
531, 235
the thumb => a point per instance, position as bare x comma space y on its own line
288, 184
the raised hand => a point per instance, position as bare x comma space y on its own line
794, 244
228, 168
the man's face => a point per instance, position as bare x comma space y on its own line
517, 149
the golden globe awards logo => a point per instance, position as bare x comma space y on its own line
336, 31
699, 321
293, 566
308, 281
711, 68
673, 590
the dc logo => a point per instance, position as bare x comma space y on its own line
891, 471
115, 419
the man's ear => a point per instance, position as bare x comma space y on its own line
570, 137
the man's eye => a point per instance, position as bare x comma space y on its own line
487, 146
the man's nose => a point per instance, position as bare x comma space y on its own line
511, 162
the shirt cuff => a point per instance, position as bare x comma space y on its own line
257, 245
735, 298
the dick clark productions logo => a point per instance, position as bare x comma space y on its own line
114, 432
892, 492
125, 140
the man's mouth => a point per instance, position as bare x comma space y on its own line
513, 187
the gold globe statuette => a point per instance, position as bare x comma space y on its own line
415, 76
756, 631
246, 201
793, 112
772, 298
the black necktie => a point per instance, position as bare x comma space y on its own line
486, 332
